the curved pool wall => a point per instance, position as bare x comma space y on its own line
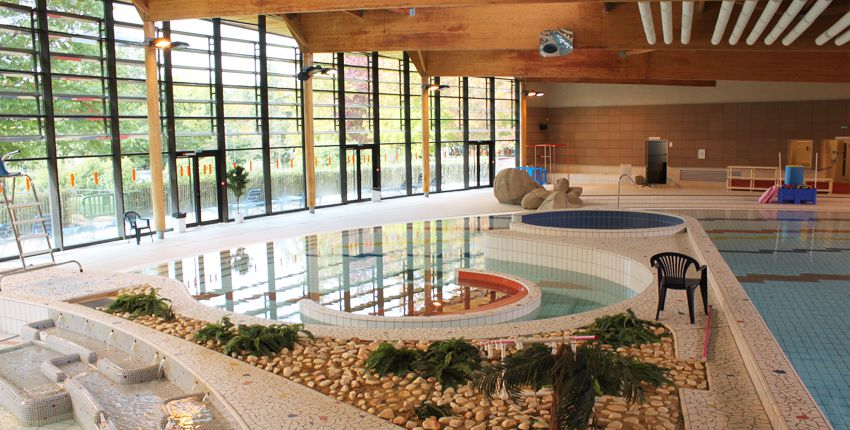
312, 312
598, 223
504, 245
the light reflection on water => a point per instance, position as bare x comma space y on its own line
383, 270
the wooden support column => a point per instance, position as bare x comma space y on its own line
426, 144
309, 137
154, 134
523, 125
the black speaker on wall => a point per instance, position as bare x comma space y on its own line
544, 127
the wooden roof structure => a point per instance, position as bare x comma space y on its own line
612, 44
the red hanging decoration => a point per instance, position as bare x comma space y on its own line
250, 166
28, 184
72, 180
96, 180
134, 174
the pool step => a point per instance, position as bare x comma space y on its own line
96, 383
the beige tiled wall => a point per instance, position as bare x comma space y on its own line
731, 133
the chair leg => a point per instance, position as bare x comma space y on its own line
662, 296
703, 289
691, 303
151, 234
138, 237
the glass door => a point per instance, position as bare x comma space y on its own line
197, 187
479, 164
359, 172
206, 189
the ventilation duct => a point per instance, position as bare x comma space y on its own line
646, 18
764, 20
667, 21
722, 20
556, 43
687, 20
786, 18
844, 38
813, 13
834, 30
743, 19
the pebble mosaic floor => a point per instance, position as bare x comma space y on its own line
795, 267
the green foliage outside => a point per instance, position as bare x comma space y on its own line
142, 304
576, 378
623, 329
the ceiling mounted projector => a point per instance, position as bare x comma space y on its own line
556, 43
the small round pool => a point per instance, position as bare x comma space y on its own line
599, 223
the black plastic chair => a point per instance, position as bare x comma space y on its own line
135, 220
673, 274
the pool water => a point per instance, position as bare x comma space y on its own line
378, 271
795, 267
601, 220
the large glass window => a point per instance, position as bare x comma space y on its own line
391, 81
506, 123
287, 162
91, 113
451, 133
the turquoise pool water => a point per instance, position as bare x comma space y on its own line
379, 270
795, 267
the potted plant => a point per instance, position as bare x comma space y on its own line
237, 182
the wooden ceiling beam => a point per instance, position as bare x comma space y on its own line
516, 27
296, 29
679, 83
165, 10
418, 59
143, 9
659, 65
355, 13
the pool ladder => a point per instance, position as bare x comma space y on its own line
38, 220
618, 186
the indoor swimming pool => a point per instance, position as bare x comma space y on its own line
374, 271
795, 267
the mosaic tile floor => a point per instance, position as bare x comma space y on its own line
795, 267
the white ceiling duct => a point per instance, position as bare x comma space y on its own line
667, 21
646, 19
844, 38
813, 13
722, 20
743, 19
764, 20
687, 20
834, 30
785, 20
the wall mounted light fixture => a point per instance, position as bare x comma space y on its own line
311, 71
434, 87
166, 43
534, 93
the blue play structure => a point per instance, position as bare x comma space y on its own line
539, 174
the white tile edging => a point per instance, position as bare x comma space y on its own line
522, 307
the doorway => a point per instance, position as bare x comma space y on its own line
479, 164
656, 161
360, 170
198, 179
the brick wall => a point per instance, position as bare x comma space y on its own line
731, 133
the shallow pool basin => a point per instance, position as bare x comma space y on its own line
598, 223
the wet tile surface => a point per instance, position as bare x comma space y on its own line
794, 268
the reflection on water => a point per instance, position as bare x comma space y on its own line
393, 270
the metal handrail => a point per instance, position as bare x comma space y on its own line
618, 186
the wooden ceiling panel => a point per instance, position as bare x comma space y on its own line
517, 27
659, 65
